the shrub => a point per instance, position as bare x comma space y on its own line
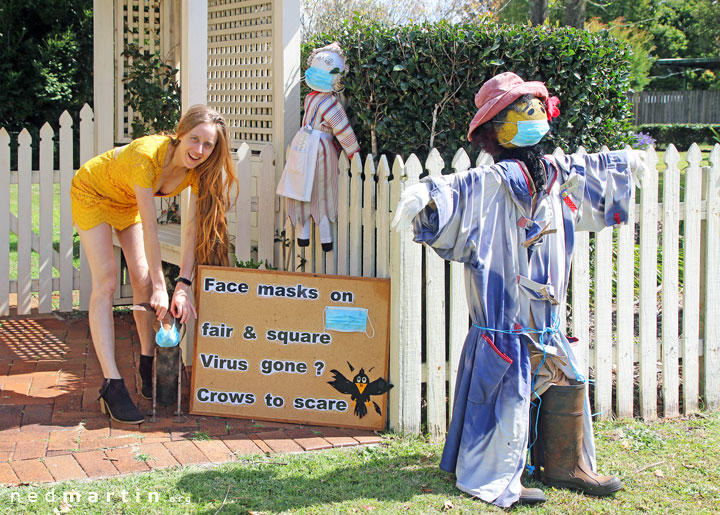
151, 91
46, 60
682, 135
412, 87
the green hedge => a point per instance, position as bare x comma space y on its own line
682, 135
399, 76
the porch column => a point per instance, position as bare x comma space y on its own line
103, 75
286, 90
193, 82
286, 74
193, 60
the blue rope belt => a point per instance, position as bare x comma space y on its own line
546, 332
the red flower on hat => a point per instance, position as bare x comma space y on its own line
552, 104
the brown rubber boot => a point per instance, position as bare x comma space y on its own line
561, 422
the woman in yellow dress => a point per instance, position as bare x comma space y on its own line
115, 191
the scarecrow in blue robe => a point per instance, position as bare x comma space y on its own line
513, 224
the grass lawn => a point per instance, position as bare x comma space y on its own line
667, 467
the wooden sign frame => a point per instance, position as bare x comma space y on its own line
283, 346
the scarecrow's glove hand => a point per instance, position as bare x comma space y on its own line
638, 168
412, 201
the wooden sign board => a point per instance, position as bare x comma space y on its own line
290, 347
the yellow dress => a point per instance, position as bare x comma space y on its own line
103, 189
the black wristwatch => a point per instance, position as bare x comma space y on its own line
184, 280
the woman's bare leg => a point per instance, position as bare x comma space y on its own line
98, 246
131, 241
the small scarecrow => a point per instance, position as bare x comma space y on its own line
513, 225
310, 177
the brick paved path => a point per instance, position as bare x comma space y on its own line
51, 428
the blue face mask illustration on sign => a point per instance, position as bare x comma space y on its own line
347, 320
167, 337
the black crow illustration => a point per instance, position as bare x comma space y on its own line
360, 389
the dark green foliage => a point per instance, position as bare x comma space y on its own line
399, 77
251, 263
677, 28
151, 91
682, 135
715, 134
46, 61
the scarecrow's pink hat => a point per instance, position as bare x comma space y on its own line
501, 91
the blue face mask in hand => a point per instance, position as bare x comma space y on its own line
167, 337
530, 132
347, 319
319, 80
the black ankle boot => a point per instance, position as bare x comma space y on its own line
115, 401
303, 242
531, 495
146, 366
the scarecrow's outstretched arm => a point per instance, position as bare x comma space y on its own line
412, 201
598, 187
638, 167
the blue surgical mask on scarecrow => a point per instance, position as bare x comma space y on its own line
525, 124
530, 132
319, 80
325, 68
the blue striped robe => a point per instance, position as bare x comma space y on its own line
485, 218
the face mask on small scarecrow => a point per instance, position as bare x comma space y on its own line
310, 176
326, 68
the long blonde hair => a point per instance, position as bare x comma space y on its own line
212, 242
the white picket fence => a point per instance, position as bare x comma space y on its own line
425, 347
611, 354
66, 278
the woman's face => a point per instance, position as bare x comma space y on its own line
196, 146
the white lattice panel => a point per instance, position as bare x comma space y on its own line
136, 21
240, 66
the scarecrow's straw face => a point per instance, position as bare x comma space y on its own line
521, 110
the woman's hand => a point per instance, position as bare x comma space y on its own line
159, 302
182, 305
